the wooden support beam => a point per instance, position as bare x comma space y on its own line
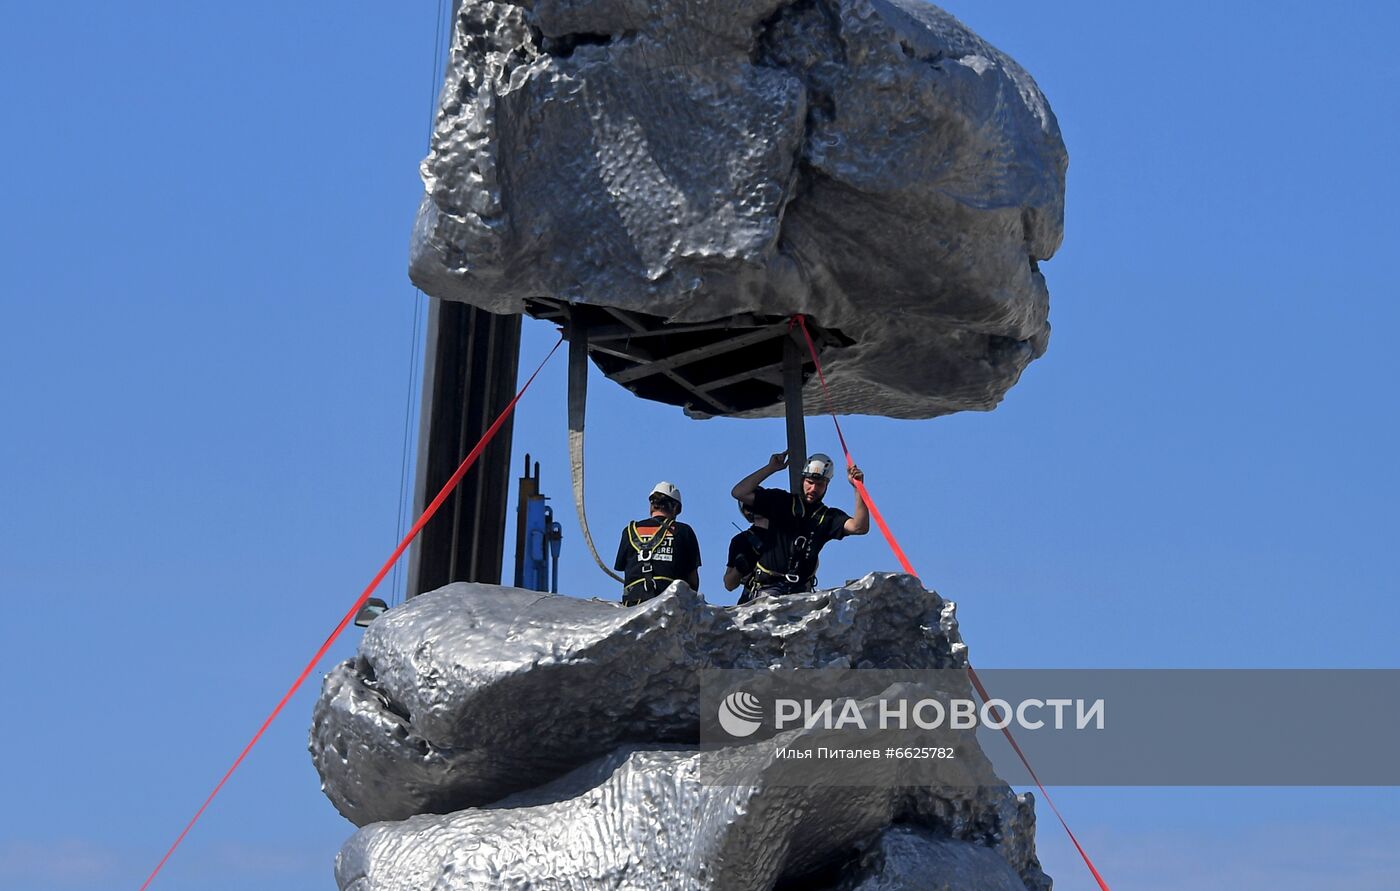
700, 396
618, 352
720, 407
705, 352
627, 332
764, 372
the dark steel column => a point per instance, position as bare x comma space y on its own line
471, 361
792, 404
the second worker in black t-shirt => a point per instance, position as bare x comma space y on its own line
659, 550
799, 526
744, 551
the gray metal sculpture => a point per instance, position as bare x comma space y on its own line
673, 180
473, 692
907, 858
686, 164
644, 820
491, 737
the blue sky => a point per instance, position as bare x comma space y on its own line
205, 356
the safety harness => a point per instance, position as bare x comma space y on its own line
747, 563
650, 584
802, 557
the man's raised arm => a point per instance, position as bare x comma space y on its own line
744, 489
859, 523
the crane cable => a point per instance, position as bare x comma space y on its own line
397, 591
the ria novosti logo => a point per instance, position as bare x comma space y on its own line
740, 714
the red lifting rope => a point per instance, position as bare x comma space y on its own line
800, 322
360, 602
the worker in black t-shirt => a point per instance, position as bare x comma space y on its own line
800, 525
659, 550
744, 551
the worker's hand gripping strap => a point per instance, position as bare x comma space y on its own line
801, 323
578, 398
350, 614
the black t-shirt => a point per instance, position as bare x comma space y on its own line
675, 557
795, 525
745, 549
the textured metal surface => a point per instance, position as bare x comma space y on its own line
537, 741
907, 858
471, 692
651, 819
871, 163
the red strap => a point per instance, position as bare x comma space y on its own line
360, 602
996, 714
800, 322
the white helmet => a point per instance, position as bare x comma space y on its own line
667, 490
819, 466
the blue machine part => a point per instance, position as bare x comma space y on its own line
543, 540
538, 516
556, 540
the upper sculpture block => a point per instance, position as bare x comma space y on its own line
871, 163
